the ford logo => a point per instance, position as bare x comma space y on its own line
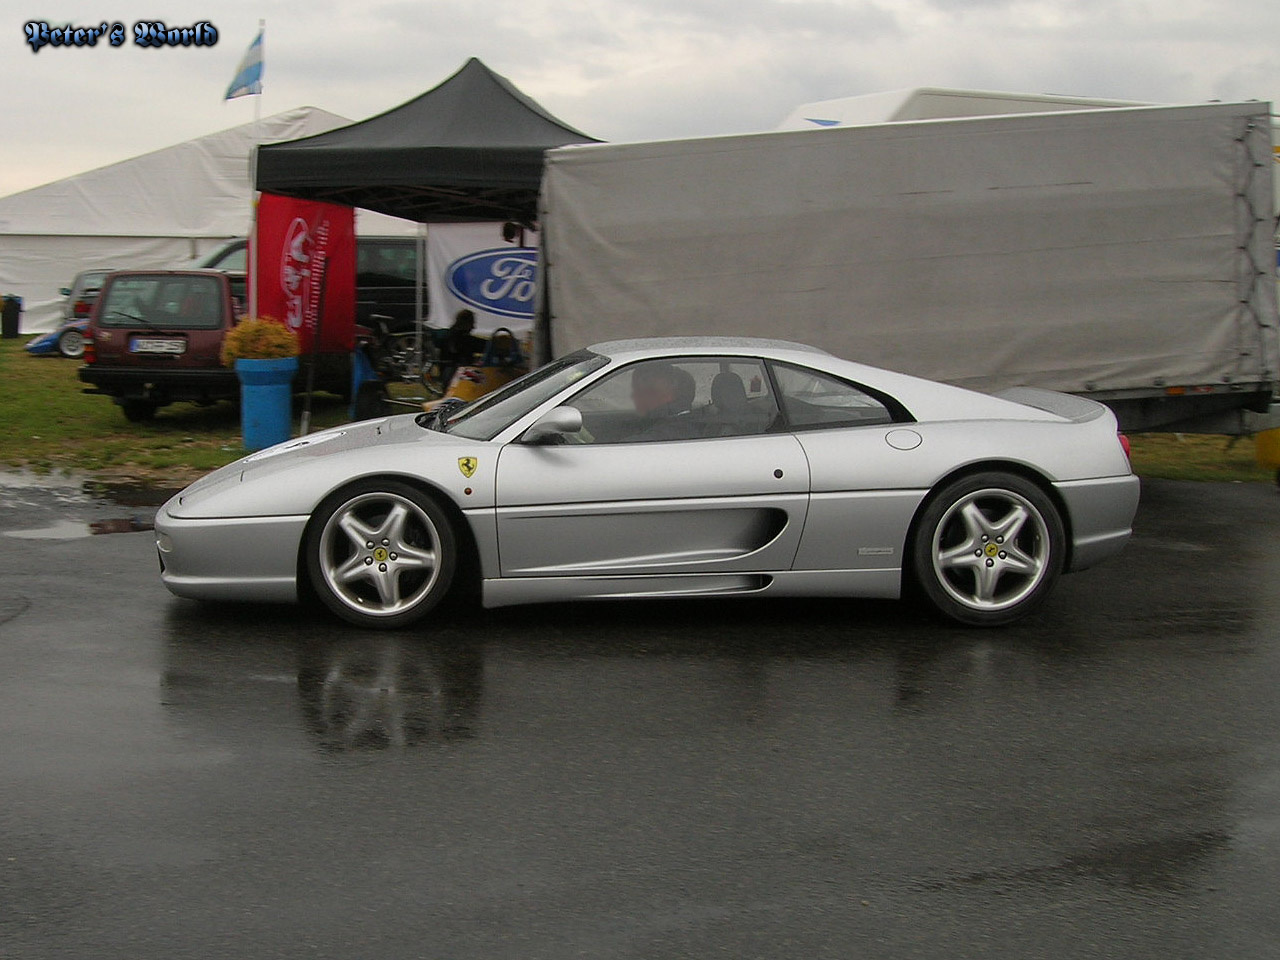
500, 281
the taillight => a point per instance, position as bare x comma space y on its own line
90, 348
1124, 443
80, 309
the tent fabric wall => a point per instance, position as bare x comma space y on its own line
162, 208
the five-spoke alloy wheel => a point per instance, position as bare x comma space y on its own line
987, 548
380, 553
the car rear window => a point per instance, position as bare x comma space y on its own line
234, 256
90, 282
812, 399
162, 302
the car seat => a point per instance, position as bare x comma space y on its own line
729, 398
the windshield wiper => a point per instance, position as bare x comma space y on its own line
438, 418
130, 316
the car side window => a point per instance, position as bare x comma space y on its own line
386, 262
691, 398
813, 399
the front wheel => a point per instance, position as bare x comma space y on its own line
988, 548
381, 554
138, 411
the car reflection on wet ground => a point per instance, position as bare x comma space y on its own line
682, 779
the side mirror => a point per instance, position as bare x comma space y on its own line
554, 423
65, 291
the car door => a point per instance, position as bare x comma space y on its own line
862, 453
707, 490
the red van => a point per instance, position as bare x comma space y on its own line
155, 337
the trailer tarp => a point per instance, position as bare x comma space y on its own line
1095, 250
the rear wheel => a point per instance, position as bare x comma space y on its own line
381, 554
138, 411
71, 344
988, 548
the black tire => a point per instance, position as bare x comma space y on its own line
371, 400
138, 411
403, 565
71, 344
988, 548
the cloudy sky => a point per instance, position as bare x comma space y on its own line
617, 69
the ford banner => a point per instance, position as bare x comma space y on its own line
470, 267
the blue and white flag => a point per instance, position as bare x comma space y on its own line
248, 79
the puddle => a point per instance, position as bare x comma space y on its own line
61, 530
21, 485
67, 506
129, 494
74, 529
130, 525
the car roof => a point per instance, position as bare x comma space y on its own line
666, 346
190, 271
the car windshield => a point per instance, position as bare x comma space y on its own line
486, 417
163, 301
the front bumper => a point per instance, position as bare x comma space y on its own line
1101, 514
238, 558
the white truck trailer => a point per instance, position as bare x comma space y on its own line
1125, 254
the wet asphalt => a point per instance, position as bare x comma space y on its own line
668, 779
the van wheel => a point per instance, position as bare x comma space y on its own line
71, 344
138, 411
988, 548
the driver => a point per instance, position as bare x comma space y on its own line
663, 396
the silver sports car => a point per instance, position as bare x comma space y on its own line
671, 468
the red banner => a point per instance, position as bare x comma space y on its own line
305, 247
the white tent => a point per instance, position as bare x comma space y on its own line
159, 209
932, 103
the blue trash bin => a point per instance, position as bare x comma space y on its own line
266, 400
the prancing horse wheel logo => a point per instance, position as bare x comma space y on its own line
380, 555
992, 549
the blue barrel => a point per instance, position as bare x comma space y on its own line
266, 400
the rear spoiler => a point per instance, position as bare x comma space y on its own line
1077, 409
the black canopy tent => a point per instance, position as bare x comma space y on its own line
470, 149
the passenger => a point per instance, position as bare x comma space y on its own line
458, 347
663, 396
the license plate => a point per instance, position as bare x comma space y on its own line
148, 345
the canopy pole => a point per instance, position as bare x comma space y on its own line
420, 275
253, 194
